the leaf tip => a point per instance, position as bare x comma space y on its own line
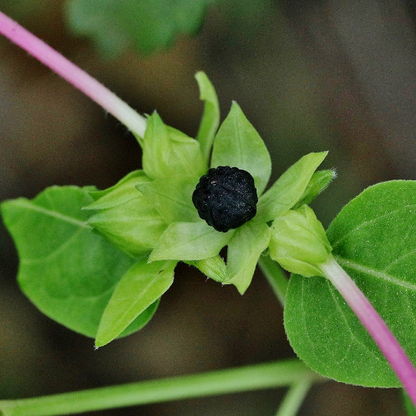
101, 342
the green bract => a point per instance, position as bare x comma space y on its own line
167, 151
147, 222
126, 217
298, 242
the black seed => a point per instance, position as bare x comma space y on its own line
226, 198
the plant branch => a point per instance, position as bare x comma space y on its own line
374, 324
73, 74
294, 398
275, 276
260, 376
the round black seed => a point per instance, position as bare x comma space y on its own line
226, 198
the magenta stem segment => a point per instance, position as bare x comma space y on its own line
73, 74
374, 324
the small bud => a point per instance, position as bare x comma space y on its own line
299, 243
226, 198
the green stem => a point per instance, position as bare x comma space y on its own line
275, 276
260, 376
408, 405
294, 398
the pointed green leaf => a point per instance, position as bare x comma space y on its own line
238, 144
141, 286
244, 250
189, 241
118, 190
167, 151
172, 197
214, 268
289, 188
66, 270
141, 321
374, 239
126, 217
211, 117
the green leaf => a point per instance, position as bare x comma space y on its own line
211, 118
126, 217
374, 239
66, 270
319, 182
141, 286
244, 250
167, 151
289, 188
189, 241
172, 197
238, 144
148, 27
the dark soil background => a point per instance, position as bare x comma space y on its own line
310, 75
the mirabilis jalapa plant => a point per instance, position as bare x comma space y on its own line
99, 261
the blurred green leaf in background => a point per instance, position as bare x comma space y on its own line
146, 26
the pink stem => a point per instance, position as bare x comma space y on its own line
74, 75
374, 324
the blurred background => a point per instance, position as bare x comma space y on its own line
310, 75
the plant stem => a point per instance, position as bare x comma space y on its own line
408, 405
260, 376
275, 276
73, 74
294, 398
374, 324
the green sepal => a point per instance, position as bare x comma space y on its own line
141, 286
214, 268
172, 197
244, 250
117, 188
211, 117
190, 241
289, 189
167, 151
320, 180
141, 320
126, 217
298, 242
237, 144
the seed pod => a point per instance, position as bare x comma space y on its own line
226, 197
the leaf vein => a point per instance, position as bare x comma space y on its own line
353, 337
376, 273
55, 252
30, 206
372, 221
